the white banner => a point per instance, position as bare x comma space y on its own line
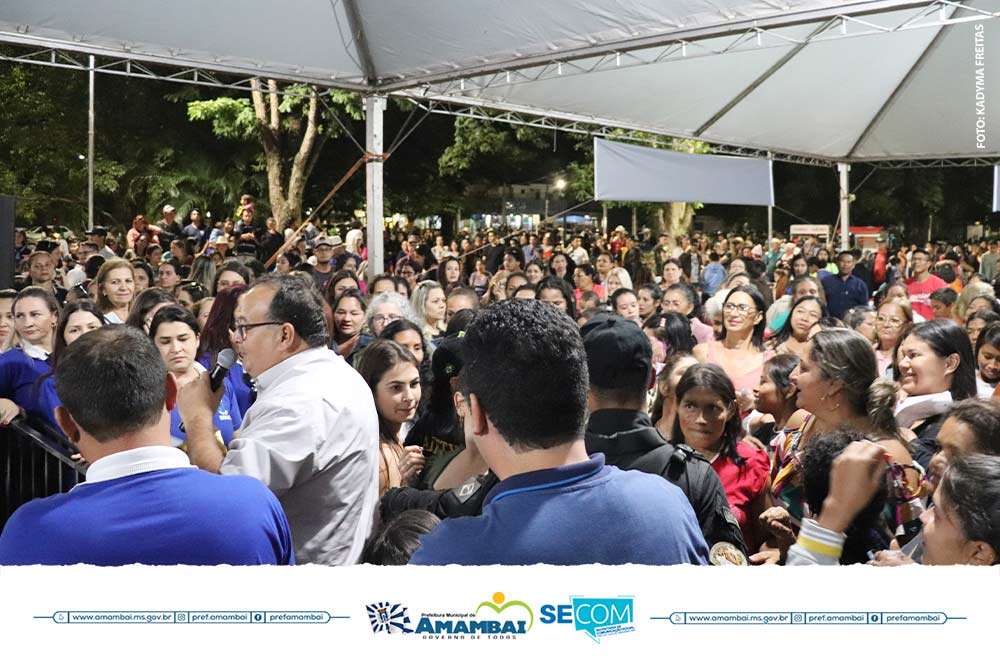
627, 615
625, 172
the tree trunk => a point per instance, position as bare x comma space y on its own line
286, 192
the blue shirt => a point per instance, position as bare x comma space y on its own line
169, 515
712, 277
572, 515
227, 419
19, 375
842, 295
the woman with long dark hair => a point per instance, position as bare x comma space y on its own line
649, 296
536, 270
988, 361
708, 421
392, 374
774, 397
793, 337
740, 347
669, 334
559, 293
175, 332
339, 282
217, 335
409, 336
145, 306
230, 274
449, 271
935, 366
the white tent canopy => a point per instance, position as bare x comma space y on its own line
834, 81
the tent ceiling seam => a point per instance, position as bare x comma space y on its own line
756, 83
900, 85
361, 41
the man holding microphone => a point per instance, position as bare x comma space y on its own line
312, 434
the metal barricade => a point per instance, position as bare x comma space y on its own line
34, 463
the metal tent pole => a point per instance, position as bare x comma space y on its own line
90, 149
374, 106
845, 203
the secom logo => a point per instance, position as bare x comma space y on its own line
597, 617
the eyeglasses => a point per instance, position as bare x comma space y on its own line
741, 308
893, 321
385, 319
239, 331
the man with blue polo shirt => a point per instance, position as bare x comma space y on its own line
143, 501
524, 402
844, 291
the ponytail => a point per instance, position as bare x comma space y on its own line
880, 405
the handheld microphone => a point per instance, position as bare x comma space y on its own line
223, 363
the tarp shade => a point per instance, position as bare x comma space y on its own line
893, 84
624, 172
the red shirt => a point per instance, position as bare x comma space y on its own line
920, 294
744, 484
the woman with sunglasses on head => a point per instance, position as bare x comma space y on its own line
740, 347
188, 293
36, 314
175, 332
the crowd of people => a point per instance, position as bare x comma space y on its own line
505, 397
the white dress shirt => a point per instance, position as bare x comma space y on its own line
312, 438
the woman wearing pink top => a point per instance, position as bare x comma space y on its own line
740, 348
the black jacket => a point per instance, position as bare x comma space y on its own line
629, 441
